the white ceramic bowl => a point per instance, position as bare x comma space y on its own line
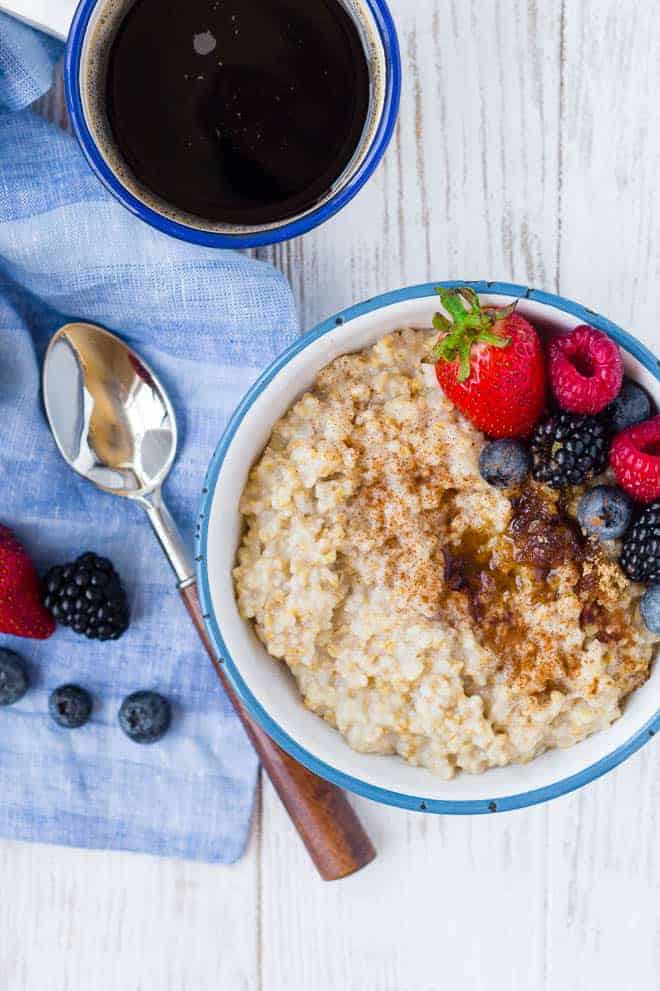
265, 685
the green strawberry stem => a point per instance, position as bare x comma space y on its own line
471, 324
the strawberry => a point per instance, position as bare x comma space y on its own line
490, 363
21, 611
635, 460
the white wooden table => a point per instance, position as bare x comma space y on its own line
528, 150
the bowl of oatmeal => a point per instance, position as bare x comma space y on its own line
400, 625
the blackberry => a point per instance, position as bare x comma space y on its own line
569, 448
640, 558
88, 596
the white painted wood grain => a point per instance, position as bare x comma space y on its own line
74, 920
528, 150
610, 161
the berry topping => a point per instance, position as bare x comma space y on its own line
631, 406
650, 608
640, 558
586, 370
504, 463
490, 364
568, 449
145, 716
70, 706
87, 595
21, 611
635, 460
605, 512
13, 677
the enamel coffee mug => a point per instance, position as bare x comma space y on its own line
95, 29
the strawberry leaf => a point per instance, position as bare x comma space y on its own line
501, 312
488, 337
470, 324
470, 297
442, 323
464, 363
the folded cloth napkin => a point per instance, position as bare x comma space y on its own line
205, 321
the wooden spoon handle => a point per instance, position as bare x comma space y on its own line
321, 813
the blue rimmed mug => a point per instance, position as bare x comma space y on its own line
94, 26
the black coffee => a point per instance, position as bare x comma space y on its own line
244, 111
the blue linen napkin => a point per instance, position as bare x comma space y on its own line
206, 321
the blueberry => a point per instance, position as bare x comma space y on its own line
13, 677
632, 405
145, 716
504, 463
70, 706
650, 608
605, 512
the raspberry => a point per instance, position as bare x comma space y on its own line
635, 460
586, 370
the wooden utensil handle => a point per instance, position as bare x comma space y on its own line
321, 813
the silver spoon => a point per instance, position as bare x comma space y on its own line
114, 424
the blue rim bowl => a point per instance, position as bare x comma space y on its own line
492, 801
287, 230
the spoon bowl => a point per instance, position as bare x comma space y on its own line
114, 424
121, 433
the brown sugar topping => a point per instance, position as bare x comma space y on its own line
607, 626
600, 588
543, 535
488, 581
541, 540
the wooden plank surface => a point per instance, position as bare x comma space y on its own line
527, 150
77, 920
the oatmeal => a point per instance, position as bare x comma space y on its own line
422, 611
